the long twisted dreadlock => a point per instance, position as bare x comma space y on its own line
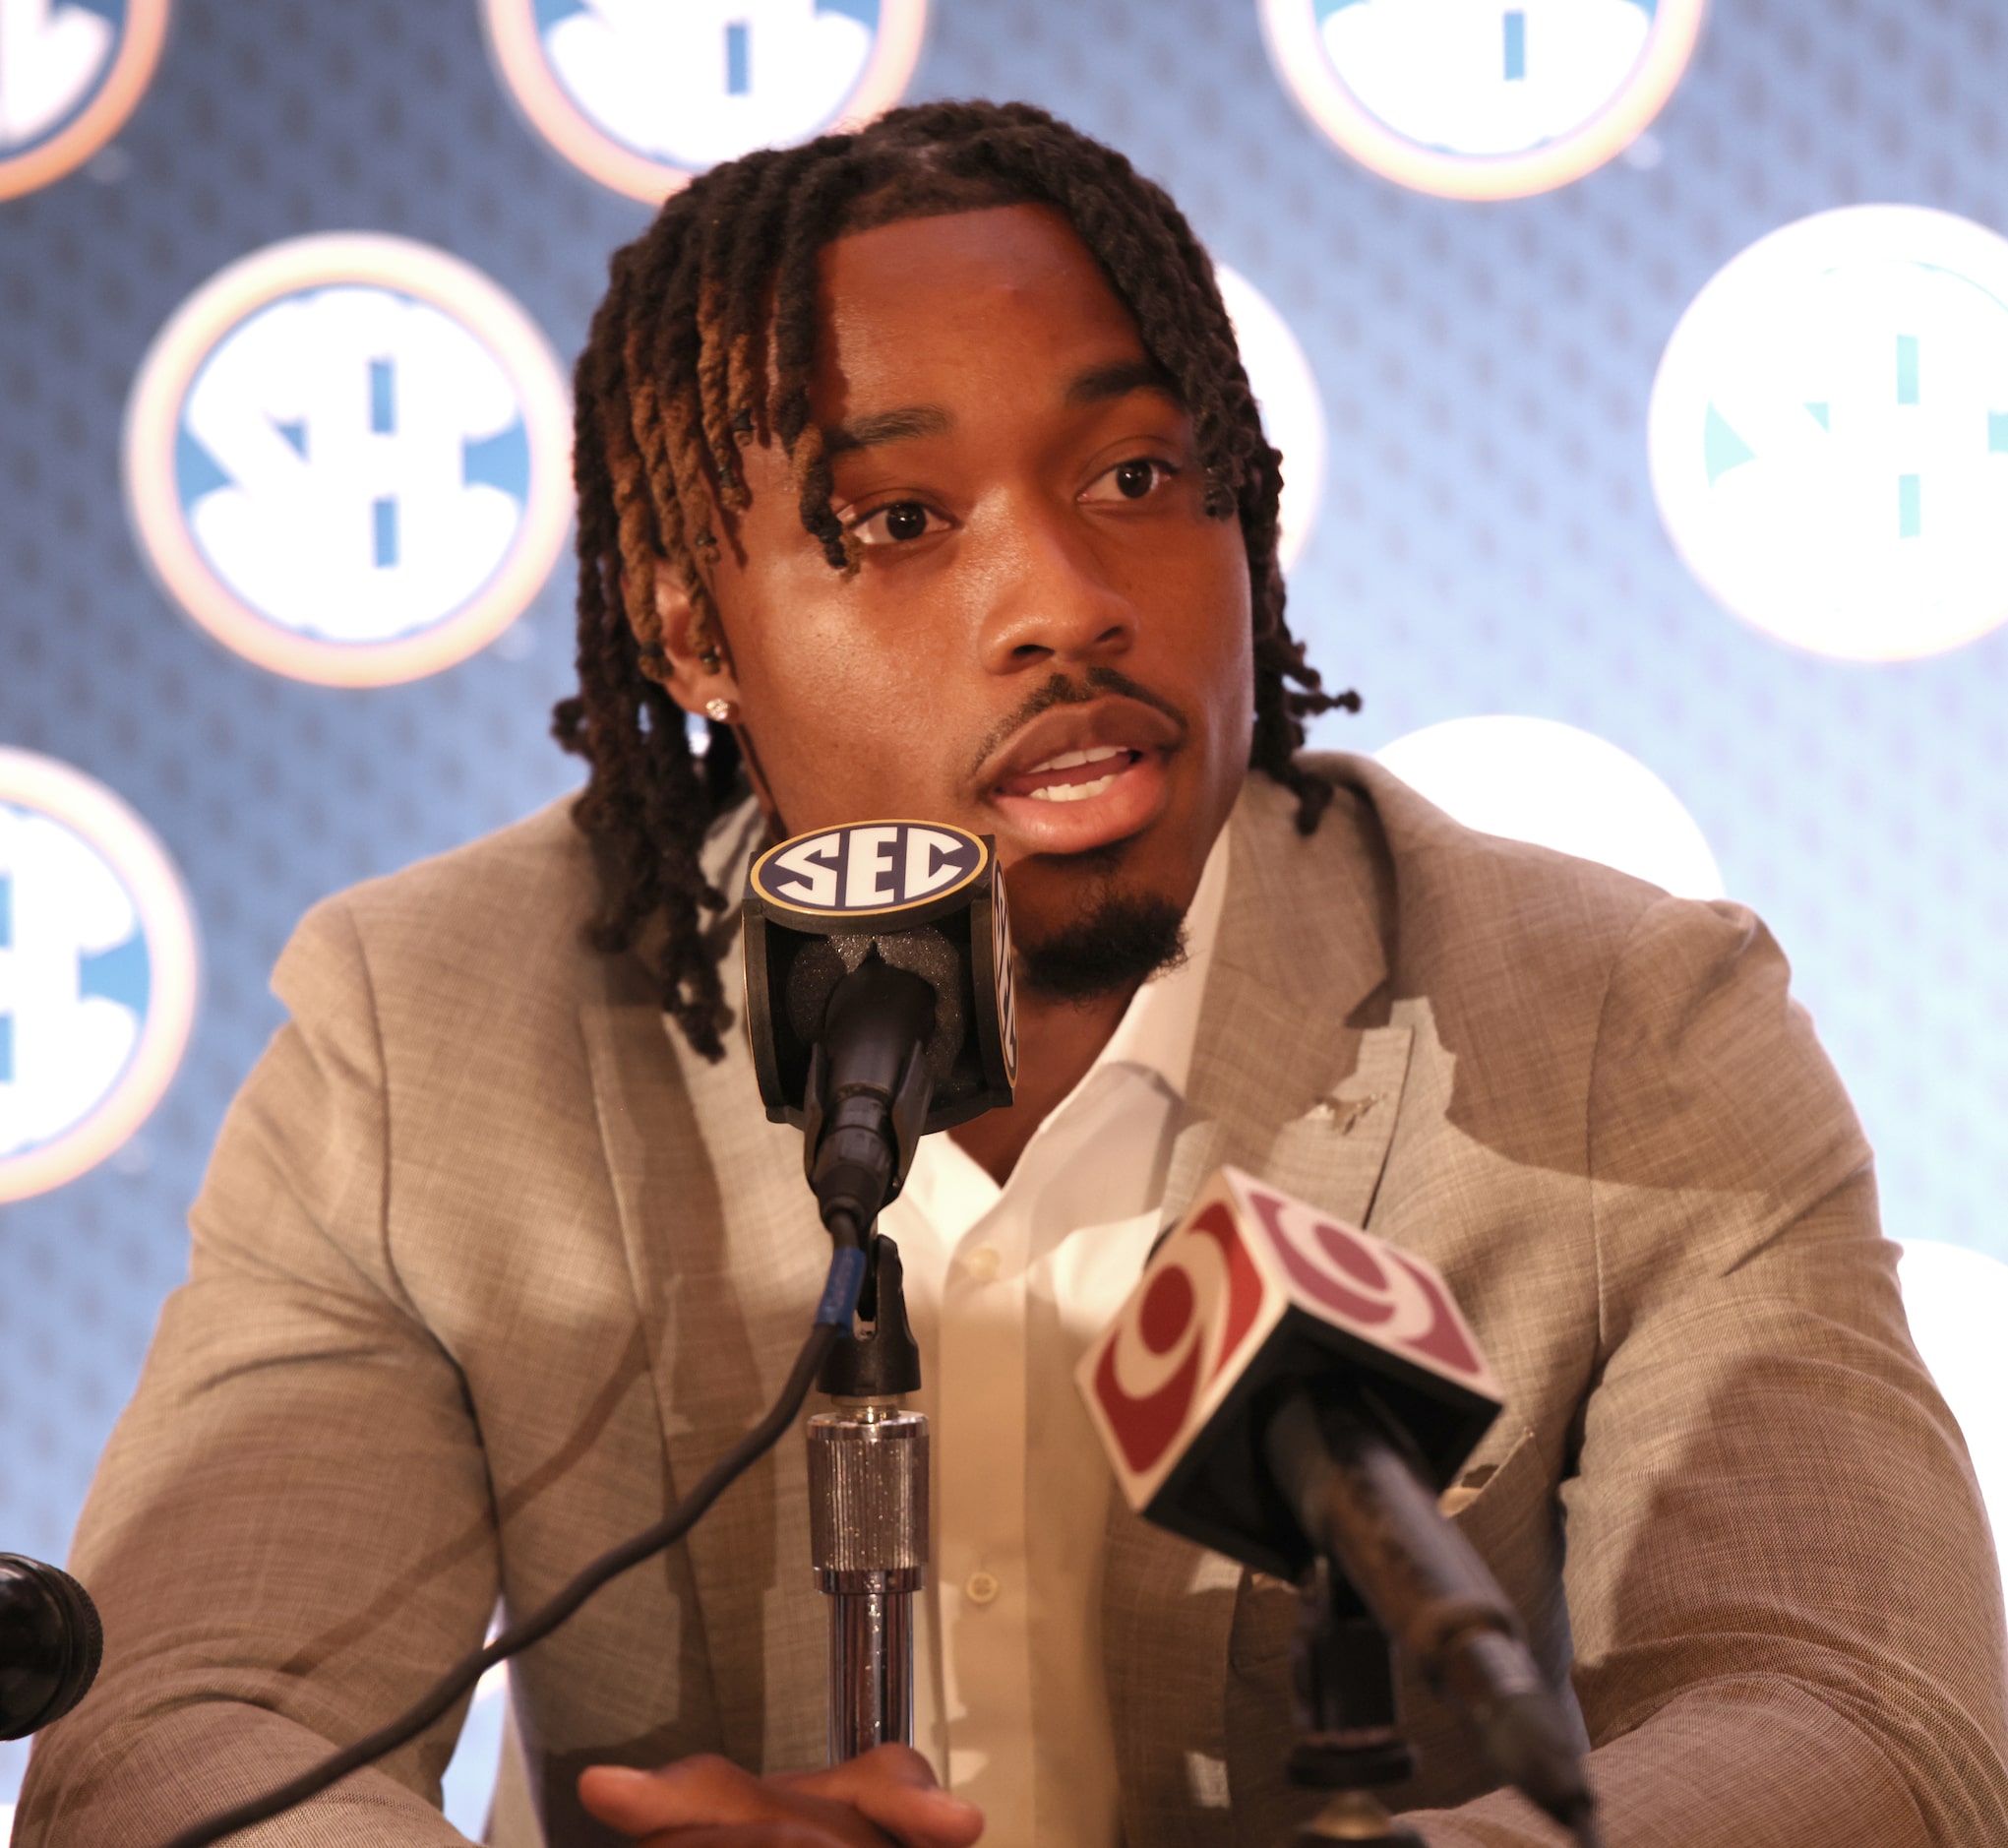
706, 341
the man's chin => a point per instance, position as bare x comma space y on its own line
1117, 942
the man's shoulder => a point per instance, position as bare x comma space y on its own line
1448, 895
1554, 982
507, 892
1517, 951
500, 915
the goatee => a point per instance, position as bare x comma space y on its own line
1122, 941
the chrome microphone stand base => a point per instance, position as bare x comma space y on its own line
867, 1517
868, 1502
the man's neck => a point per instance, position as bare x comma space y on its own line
1057, 1041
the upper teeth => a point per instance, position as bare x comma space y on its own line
1072, 759
1072, 792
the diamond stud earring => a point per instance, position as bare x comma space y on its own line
723, 710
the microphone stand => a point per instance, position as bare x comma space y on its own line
865, 1106
868, 1516
1343, 1699
1368, 1517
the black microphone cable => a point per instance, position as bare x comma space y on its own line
832, 1322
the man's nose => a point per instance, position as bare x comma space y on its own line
1055, 603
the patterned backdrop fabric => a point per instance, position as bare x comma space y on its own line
1487, 542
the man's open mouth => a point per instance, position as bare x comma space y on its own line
1081, 776
1073, 775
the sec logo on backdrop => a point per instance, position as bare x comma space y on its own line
1829, 433
348, 457
645, 94
1537, 780
1481, 98
71, 72
98, 972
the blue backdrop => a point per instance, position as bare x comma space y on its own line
1487, 539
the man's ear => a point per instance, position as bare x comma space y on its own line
694, 673
695, 670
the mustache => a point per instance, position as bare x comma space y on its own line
1095, 684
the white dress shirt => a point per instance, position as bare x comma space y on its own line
1005, 1287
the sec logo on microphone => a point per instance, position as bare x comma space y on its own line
99, 972
1006, 978
70, 76
871, 869
348, 457
1481, 98
641, 94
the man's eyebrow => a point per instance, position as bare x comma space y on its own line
1099, 384
887, 426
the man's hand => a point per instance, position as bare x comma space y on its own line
888, 1795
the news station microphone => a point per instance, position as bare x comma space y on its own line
1281, 1388
50, 1645
878, 1004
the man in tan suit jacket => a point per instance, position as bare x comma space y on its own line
466, 1310
489, 1268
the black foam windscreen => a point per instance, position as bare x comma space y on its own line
825, 962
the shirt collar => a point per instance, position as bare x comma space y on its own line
1153, 1041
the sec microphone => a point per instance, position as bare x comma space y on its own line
878, 998
878, 1005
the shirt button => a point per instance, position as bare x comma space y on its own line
982, 1264
981, 1588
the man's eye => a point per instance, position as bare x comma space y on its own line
902, 521
1131, 480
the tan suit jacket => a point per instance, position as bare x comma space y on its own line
487, 1270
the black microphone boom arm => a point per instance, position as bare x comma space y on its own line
1360, 1504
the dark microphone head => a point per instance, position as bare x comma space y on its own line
921, 897
877, 1000
50, 1645
1251, 1293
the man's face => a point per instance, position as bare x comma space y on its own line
1047, 639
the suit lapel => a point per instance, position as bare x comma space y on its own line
1299, 979
1297, 1076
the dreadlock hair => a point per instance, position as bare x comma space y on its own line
706, 341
